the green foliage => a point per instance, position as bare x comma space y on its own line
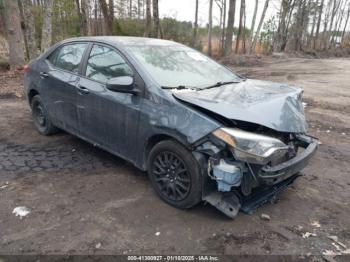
267, 35
177, 30
129, 27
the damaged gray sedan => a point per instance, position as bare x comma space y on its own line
201, 132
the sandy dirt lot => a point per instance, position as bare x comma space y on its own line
86, 201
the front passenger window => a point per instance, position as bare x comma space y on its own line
105, 63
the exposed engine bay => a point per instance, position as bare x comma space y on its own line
245, 170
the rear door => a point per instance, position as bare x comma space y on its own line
59, 82
108, 118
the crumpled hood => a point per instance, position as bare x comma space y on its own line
273, 105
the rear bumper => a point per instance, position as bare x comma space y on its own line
280, 172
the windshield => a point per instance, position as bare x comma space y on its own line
177, 65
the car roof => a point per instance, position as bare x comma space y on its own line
125, 40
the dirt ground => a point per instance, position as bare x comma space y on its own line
83, 200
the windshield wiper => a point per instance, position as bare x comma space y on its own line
221, 84
180, 87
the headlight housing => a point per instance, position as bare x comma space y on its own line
251, 147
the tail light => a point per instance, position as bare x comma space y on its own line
26, 68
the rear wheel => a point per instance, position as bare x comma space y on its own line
41, 119
175, 174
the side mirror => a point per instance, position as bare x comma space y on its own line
122, 84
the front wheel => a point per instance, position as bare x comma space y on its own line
175, 174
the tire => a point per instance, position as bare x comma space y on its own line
175, 174
41, 118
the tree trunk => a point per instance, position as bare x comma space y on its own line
299, 27
23, 27
318, 24
210, 26
229, 28
346, 23
46, 35
148, 28
281, 36
156, 23
286, 33
195, 27
14, 34
254, 19
329, 33
81, 9
30, 29
311, 38
223, 29
220, 6
108, 20
339, 21
240, 27
85, 17
257, 33
244, 28
139, 9
111, 10
96, 31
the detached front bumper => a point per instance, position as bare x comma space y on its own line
272, 181
280, 172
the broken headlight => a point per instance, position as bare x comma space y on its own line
251, 147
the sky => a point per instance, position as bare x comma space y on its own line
184, 10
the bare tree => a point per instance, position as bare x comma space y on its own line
157, 28
257, 33
30, 29
81, 11
210, 27
222, 7
46, 35
254, 19
195, 27
311, 38
241, 25
85, 11
148, 28
108, 20
282, 29
14, 34
139, 10
318, 24
223, 33
300, 25
229, 29
339, 21
111, 10
336, 4
346, 23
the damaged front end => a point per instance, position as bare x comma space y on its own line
244, 170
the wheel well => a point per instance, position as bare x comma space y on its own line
155, 140
31, 94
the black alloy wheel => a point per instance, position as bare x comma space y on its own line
175, 174
171, 176
41, 119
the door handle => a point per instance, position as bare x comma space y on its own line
83, 90
44, 75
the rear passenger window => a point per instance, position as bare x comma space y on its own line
68, 57
105, 63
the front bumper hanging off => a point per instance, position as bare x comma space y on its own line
274, 180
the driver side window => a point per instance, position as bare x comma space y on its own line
105, 63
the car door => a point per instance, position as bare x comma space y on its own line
108, 118
59, 82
